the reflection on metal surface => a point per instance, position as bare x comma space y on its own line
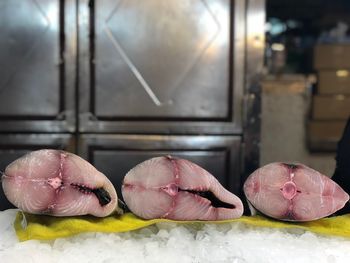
256, 25
46, 18
52, 15
37, 66
36, 13
133, 68
218, 14
162, 43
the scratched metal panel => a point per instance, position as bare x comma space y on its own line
13, 146
33, 72
115, 155
161, 59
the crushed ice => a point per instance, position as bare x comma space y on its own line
169, 242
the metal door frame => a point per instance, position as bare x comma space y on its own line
248, 45
248, 32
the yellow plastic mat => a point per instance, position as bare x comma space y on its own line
42, 227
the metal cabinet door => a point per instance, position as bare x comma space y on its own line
115, 155
14, 146
170, 62
37, 65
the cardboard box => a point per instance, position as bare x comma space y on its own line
324, 135
326, 130
332, 107
334, 82
335, 56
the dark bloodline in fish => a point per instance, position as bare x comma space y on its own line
172, 190
102, 195
298, 191
82, 188
289, 215
58, 183
215, 202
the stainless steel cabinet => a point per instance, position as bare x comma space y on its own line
127, 80
162, 67
161, 60
37, 66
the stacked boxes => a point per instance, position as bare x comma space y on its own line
331, 104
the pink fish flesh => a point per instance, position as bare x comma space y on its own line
164, 187
58, 183
293, 192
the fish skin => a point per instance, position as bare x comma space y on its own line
165, 187
58, 183
293, 192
